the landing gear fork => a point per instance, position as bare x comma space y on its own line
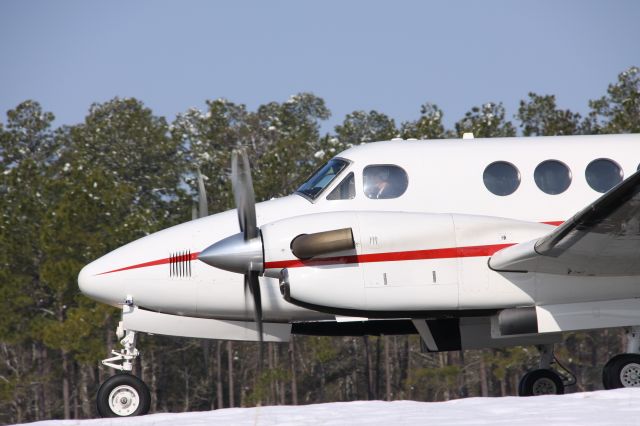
124, 359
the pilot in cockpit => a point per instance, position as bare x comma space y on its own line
377, 184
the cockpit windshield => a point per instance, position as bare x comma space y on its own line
322, 178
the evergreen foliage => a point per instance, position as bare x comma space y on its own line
428, 126
539, 116
619, 110
361, 127
486, 121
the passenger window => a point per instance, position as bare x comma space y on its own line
603, 174
501, 178
552, 177
346, 190
384, 181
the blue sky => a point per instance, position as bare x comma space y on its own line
391, 56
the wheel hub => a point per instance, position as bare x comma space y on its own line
124, 400
630, 375
544, 386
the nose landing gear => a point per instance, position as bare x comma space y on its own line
123, 395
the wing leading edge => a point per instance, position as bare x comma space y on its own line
601, 240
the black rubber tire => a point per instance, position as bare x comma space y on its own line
527, 386
102, 399
611, 373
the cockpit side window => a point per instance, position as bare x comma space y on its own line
384, 181
346, 190
322, 178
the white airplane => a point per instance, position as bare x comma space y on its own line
471, 243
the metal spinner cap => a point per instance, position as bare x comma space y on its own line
234, 254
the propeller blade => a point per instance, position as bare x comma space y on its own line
252, 282
203, 209
243, 193
194, 212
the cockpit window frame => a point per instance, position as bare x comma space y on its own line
331, 185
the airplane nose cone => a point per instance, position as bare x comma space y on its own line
234, 254
97, 286
87, 282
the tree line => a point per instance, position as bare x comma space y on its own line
71, 193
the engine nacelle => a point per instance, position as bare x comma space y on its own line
400, 262
395, 264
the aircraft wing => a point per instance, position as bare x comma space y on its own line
601, 240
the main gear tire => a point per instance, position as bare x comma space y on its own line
541, 382
622, 371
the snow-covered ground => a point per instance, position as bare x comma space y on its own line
616, 407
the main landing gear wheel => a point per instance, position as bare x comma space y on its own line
622, 371
541, 382
123, 395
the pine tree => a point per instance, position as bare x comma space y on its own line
362, 127
486, 121
27, 152
428, 126
206, 140
619, 110
288, 144
539, 116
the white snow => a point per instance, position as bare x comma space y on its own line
615, 407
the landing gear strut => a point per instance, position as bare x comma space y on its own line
623, 370
544, 380
124, 394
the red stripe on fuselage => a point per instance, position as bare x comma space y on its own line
554, 223
444, 253
193, 256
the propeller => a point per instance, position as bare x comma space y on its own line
242, 253
246, 206
203, 210
200, 210
243, 193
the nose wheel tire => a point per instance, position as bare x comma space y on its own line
123, 395
541, 382
622, 371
